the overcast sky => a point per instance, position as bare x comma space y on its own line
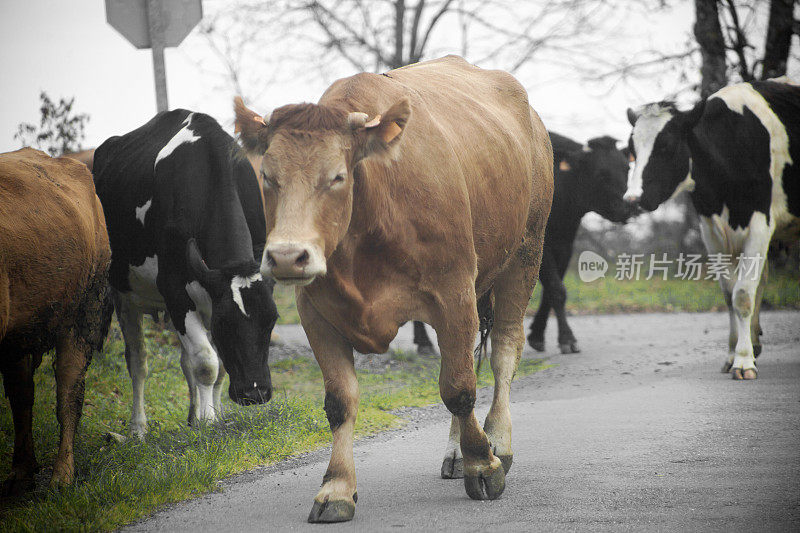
66, 48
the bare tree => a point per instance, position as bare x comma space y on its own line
376, 35
708, 32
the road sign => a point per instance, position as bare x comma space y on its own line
155, 24
130, 18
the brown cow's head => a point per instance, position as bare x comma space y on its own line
309, 153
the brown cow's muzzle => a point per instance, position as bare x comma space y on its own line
293, 263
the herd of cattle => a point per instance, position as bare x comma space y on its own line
423, 193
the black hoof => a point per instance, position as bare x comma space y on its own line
481, 487
452, 468
726, 367
739, 374
569, 347
332, 511
506, 460
756, 350
536, 344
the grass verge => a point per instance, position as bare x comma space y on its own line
118, 483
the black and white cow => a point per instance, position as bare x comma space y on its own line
739, 154
586, 178
186, 222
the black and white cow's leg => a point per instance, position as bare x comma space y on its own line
744, 294
732, 336
755, 323
199, 360
336, 499
422, 340
512, 290
456, 325
218, 389
130, 322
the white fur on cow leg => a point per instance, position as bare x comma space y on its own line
200, 365
453, 463
218, 389
130, 322
507, 344
743, 296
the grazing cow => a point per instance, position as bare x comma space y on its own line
742, 146
54, 259
401, 196
186, 222
586, 178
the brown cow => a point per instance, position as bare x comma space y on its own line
405, 196
54, 259
84, 156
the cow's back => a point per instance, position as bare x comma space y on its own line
53, 242
476, 160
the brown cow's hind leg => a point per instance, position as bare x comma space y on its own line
512, 290
336, 499
72, 359
456, 327
18, 385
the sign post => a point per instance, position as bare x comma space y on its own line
155, 24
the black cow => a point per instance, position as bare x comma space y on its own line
186, 222
739, 146
586, 178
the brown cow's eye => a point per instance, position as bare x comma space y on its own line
337, 179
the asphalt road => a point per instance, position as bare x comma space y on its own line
639, 432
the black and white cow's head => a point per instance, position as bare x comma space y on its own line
602, 172
242, 317
659, 143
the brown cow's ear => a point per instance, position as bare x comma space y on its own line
251, 127
382, 134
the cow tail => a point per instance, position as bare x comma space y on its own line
485, 322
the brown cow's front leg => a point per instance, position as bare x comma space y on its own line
72, 360
18, 384
336, 500
484, 477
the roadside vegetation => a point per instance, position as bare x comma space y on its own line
120, 482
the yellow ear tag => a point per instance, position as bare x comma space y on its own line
563, 165
391, 131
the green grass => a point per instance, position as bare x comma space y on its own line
120, 483
607, 295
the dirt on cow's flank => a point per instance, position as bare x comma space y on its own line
120, 482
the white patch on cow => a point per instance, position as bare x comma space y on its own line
142, 279
243, 282
652, 119
736, 98
202, 301
184, 135
142, 210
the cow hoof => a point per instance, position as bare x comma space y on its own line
726, 367
536, 345
506, 460
486, 486
427, 351
740, 374
14, 486
569, 347
756, 350
333, 511
452, 468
